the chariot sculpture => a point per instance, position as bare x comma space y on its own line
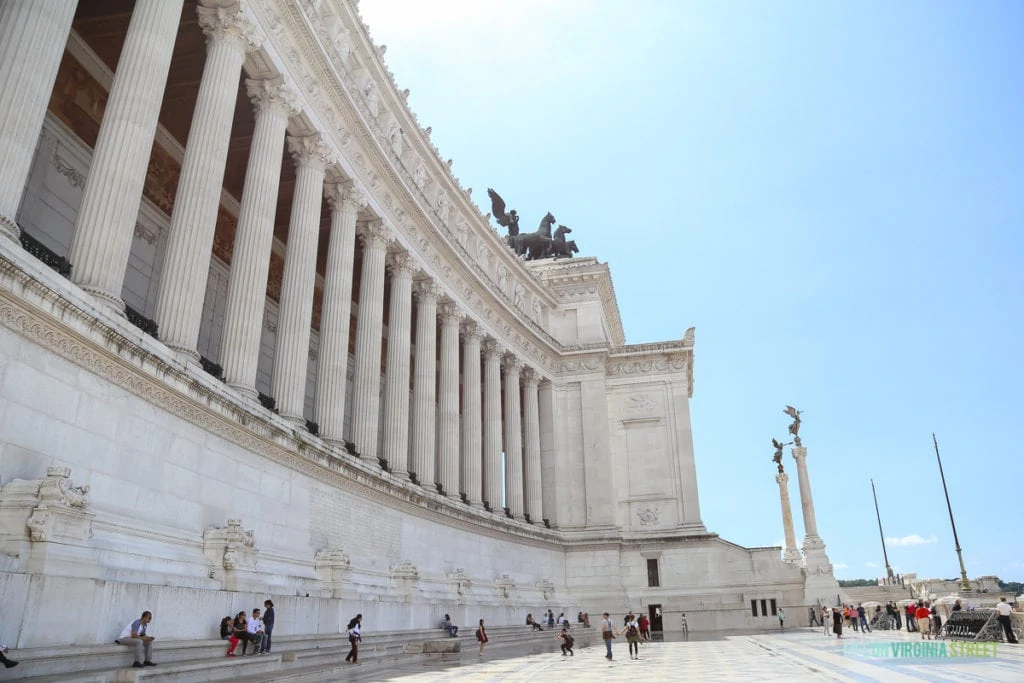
532, 245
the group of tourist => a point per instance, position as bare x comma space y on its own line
256, 629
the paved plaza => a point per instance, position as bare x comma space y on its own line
803, 654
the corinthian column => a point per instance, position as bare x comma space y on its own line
32, 38
513, 439
811, 537
472, 450
369, 327
791, 554
295, 315
492, 425
448, 400
425, 384
179, 303
546, 410
273, 103
531, 446
346, 199
113, 190
396, 388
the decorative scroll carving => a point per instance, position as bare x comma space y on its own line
375, 232
461, 581
648, 516
229, 23
505, 585
58, 508
547, 588
273, 93
311, 150
646, 366
230, 547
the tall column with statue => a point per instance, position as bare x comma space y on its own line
820, 585
791, 553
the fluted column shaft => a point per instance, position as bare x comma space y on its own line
369, 327
448, 401
396, 387
531, 446
179, 303
295, 313
492, 425
254, 236
806, 500
32, 38
513, 439
424, 391
790, 554
332, 368
110, 204
472, 448
546, 410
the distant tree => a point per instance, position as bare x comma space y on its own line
857, 583
1014, 587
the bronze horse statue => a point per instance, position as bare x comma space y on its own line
553, 247
533, 244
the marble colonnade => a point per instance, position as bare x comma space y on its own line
478, 405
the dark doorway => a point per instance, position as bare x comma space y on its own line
656, 626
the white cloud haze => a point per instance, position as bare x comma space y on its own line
912, 539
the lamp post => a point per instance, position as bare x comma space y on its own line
963, 572
888, 569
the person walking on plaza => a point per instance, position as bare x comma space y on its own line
837, 622
134, 635
1003, 610
645, 627
909, 611
826, 618
608, 632
355, 636
481, 636
863, 618
685, 626
812, 615
782, 620
632, 629
922, 615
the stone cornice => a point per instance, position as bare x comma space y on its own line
583, 278
52, 313
330, 87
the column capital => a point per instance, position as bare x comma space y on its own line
311, 150
346, 195
401, 264
471, 330
375, 233
273, 95
492, 348
229, 24
782, 478
530, 376
426, 288
449, 313
799, 453
511, 364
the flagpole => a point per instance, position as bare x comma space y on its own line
888, 569
960, 556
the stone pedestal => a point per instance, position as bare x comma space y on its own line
790, 554
820, 585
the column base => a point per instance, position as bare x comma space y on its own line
109, 301
187, 356
10, 230
791, 555
248, 393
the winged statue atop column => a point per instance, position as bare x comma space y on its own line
794, 428
777, 458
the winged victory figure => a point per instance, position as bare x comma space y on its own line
505, 219
777, 458
794, 428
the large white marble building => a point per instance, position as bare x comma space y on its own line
258, 341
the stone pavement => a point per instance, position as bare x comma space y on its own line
803, 654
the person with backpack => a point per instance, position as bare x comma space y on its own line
567, 642
633, 637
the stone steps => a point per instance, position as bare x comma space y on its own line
182, 661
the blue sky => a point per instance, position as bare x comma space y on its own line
832, 193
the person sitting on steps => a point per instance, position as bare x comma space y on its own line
530, 621
447, 625
134, 635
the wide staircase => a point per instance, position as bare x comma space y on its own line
295, 659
